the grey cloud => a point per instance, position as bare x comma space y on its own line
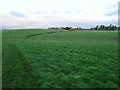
112, 13
48, 14
67, 12
112, 10
17, 14
40, 12
52, 13
78, 11
55, 12
43, 13
112, 6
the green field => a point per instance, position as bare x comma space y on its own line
60, 59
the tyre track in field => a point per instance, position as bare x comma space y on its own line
18, 73
41, 34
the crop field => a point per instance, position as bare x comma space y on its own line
59, 59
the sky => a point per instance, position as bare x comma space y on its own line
57, 13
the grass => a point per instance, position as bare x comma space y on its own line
74, 59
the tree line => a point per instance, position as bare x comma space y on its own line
98, 27
103, 27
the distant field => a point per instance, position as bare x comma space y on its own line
60, 59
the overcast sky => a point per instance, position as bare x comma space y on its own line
50, 13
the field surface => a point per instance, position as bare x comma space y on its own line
59, 59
